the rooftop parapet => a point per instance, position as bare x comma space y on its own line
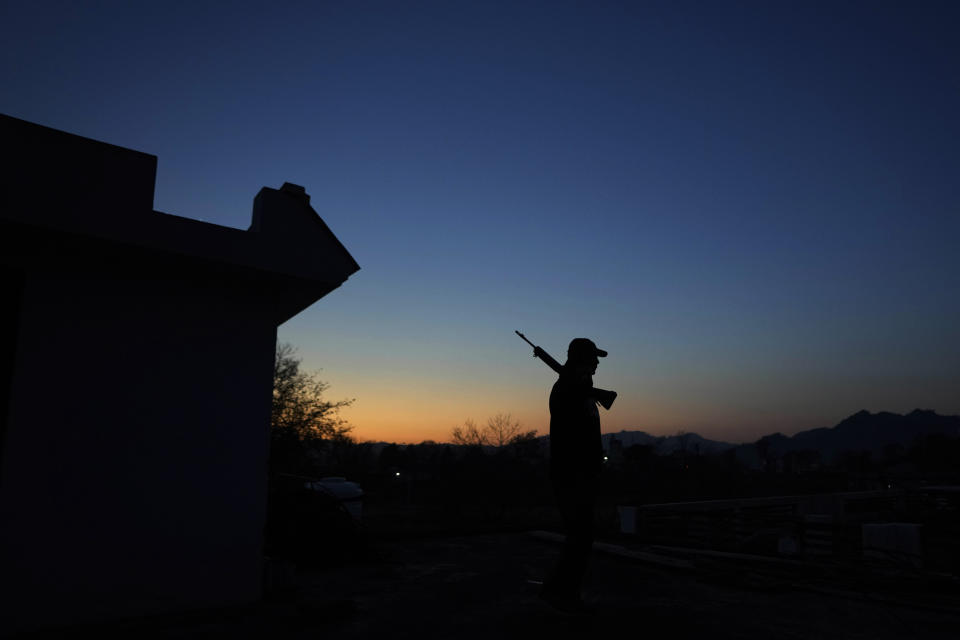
59, 185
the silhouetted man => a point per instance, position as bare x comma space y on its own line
576, 457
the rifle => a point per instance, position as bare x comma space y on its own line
604, 397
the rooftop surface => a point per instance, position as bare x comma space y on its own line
481, 587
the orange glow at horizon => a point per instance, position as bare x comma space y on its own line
399, 403
411, 422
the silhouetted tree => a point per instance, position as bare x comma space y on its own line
389, 457
468, 434
503, 430
299, 408
500, 431
308, 438
304, 426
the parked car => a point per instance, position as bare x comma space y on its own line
310, 525
349, 493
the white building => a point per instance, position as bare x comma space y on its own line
136, 359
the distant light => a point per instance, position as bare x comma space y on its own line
605, 458
398, 474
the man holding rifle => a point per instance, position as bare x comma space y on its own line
576, 458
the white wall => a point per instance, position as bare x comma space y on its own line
134, 470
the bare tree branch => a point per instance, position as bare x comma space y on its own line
469, 434
500, 430
299, 409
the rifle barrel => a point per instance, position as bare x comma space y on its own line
525, 339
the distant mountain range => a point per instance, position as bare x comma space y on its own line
863, 431
664, 445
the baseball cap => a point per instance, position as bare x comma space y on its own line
582, 347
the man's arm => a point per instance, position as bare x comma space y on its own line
585, 389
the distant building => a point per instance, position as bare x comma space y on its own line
135, 382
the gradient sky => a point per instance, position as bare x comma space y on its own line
753, 206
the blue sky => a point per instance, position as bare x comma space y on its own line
752, 205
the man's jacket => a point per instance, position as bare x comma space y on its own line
576, 451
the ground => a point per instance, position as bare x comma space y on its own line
481, 587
